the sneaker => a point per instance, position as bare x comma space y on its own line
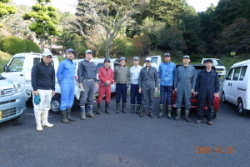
198, 121
210, 123
150, 114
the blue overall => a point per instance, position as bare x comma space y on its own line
65, 77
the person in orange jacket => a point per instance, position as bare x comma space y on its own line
105, 74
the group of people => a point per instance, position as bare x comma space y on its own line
143, 83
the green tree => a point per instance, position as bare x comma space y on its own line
5, 10
44, 19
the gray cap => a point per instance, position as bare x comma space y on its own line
70, 50
136, 58
88, 51
167, 54
208, 60
47, 53
186, 57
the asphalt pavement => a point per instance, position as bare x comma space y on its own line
127, 140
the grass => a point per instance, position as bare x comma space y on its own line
4, 59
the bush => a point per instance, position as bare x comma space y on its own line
31, 46
4, 59
12, 45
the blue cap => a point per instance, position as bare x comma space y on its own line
122, 58
88, 51
167, 54
186, 57
70, 50
208, 60
106, 60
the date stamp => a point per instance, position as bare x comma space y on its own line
227, 150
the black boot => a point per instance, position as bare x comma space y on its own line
138, 108
64, 116
161, 111
132, 108
150, 114
143, 112
98, 111
107, 108
186, 115
90, 112
124, 108
117, 107
68, 111
83, 115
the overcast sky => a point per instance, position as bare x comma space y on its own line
69, 5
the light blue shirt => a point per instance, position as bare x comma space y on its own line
134, 73
167, 73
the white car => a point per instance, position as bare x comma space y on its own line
236, 87
220, 68
99, 63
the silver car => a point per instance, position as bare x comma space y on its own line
12, 100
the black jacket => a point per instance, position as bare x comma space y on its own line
43, 77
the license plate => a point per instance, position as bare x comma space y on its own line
0, 115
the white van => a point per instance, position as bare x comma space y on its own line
236, 87
220, 68
19, 70
100, 63
156, 61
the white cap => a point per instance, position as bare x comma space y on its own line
47, 53
148, 59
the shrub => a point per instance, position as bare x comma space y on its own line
31, 46
12, 45
4, 59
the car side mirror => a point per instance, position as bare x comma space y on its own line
5, 67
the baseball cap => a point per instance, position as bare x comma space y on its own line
148, 59
186, 57
106, 60
167, 54
208, 60
122, 58
136, 58
70, 50
88, 51
47, 53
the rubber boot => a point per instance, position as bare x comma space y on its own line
138, 108
117, 107
107, 108
143, 112
38, 122
124, 108
161, 111
178, 112
90, 113
98, 111
186, 115
68, 114
45, 122
169, 111
150, 114
64, 116
132, 108
83, 115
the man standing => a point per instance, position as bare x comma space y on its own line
87, 77
148, 83
134, 87
207, 86
65, 77
121, 75
184, 85
43, 84
166, 74
105, 74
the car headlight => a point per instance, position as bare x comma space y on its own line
17, 87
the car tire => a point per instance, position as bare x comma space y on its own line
55, 105
223, 98
215, 115
240, 108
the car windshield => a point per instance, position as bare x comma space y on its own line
98, 66
219, 63
154, 59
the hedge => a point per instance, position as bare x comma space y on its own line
12, 45
31, 46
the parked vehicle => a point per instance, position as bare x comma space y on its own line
99, 63
19, 70
156, 61
236, 89
220, 68
12, 100
194, 99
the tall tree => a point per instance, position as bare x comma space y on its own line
44, 19
5, 10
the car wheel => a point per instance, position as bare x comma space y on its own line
215, 115
55, 105
241, 109
223, 98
